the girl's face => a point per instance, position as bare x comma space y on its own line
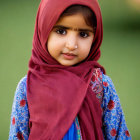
70, 40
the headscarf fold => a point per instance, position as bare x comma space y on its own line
56, 94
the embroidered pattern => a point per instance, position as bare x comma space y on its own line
96, 84
79, 136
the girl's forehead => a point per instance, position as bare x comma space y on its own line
73, 22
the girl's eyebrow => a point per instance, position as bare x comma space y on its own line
75, 29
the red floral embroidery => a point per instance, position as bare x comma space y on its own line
20, 136
93, 78
98, 75
113, 132
22, 103
98, 72
13, 121
90, 84
111, 105
127, 133
105, 84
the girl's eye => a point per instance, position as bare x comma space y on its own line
61, 31
84, 34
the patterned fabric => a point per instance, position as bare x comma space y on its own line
96, 84
79, 135
19, 127
114, 126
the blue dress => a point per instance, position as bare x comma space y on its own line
114, 125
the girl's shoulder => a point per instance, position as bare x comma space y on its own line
21, 91
22, 84
22, 81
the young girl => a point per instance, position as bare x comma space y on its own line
66, 94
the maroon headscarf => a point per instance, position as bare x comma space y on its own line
56, 94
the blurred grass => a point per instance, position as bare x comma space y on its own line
120, 54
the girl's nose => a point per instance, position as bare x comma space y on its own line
71, 43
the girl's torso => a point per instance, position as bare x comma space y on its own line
114, 126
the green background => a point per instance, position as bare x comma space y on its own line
120, 54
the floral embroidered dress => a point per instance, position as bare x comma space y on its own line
114, 126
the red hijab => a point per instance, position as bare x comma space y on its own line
56, 94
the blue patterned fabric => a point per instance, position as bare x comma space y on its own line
114, 126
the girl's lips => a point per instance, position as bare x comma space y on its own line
69, 56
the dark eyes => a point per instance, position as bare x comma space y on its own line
82, 34
61, 31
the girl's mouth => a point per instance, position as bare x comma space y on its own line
69, 56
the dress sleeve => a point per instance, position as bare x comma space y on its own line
19, 126
114, 125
